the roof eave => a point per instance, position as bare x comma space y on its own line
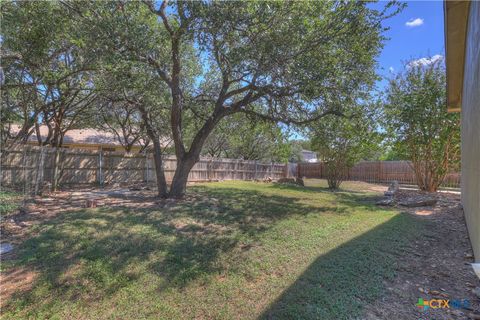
456, 21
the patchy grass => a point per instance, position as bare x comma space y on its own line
243, 251
9, 202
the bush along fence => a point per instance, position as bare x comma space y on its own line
31, 168
376, 172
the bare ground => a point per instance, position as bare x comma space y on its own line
435, 266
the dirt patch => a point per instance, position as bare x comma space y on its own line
17, 226
192, 227
436, 265
364, 186
15, 281
14, 226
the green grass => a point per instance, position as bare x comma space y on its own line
9, 202
243, 251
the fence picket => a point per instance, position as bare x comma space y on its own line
99, 167
376, 172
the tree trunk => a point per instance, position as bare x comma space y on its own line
180, 178
58, 139
159, 172
186, 160
157, 153
426, 180
333, 184
56, 160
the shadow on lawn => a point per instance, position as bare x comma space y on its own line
97, 252
316, 188
337, 285
346, 197
97, 248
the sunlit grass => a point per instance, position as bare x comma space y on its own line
244, 250
9, 202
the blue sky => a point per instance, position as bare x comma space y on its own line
417, 32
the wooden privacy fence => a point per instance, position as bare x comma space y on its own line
30, 167
375, 172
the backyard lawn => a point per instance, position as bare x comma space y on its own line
241, 250
9, 201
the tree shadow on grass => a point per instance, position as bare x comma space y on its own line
95, 253
336, 285
343, 197
314, 189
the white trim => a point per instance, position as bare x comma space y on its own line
476, 268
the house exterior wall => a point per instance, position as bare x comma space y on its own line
470, 114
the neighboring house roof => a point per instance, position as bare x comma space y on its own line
309, 152
456, 19
86, 136
309, 156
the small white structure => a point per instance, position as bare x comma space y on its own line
309, 156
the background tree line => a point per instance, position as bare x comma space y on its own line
214, 78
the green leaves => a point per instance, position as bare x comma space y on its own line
243, 138
417, 119
48, 78
342, 141
195, 63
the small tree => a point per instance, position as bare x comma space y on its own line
420, 127
343, 141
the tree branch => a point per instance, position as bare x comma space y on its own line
289, 120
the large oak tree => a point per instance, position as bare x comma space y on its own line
285, 61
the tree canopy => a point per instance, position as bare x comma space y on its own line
242, 138
47, 70
291, 62
420, 127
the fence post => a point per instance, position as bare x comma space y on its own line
146, 167
242, 170
382, 171
379, 171
235, 170
24, 162
100, 168
40, 170
210, 168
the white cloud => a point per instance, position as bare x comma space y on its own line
425, 61
391, 69
414, 22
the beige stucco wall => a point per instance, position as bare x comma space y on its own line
471, 129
